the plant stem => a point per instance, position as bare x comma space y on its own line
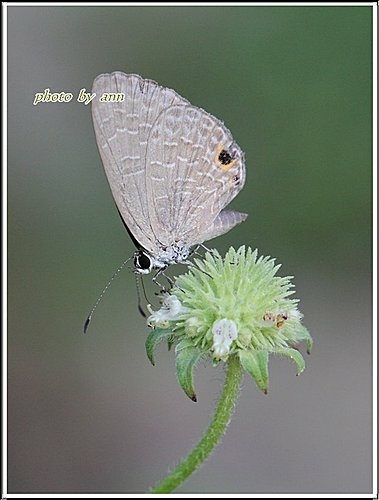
212, 435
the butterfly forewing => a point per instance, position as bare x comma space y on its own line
122, 130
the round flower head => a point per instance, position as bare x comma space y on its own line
235, 306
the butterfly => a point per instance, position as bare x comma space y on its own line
171, 166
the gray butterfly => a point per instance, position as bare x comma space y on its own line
172, 168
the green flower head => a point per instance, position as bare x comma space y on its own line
235, 306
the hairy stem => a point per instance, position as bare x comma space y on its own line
212, 435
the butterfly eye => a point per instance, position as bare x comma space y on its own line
142, 262
225, 159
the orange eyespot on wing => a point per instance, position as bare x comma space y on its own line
224, 159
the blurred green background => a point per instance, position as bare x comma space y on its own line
89, 413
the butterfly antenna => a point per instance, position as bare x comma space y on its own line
89, 317
139, 285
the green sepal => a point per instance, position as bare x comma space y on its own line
309, 343
184, 344
256, 364
303, 334
186, 359
295, 355
170, 342
153, 339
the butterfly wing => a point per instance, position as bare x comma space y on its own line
223, 223
193, 170
122, 129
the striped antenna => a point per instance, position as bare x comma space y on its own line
89, 317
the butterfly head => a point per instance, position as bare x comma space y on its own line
143, 263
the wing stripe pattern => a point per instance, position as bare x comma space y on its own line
122, 130
196, 186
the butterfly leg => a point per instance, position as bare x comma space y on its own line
161, 272
192, 266
212, 251
195, 252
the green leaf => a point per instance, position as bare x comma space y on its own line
256, 364
295, 355
186, 359
153, 339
